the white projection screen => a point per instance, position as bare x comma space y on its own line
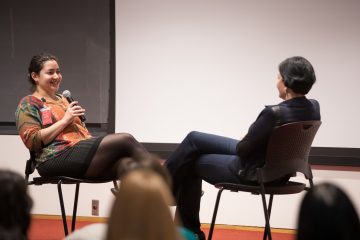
211, 65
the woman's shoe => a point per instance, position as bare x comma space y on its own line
114, 191
200, 235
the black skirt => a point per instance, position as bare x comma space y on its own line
73, 162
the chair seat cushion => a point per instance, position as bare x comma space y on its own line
287, 188
66, 180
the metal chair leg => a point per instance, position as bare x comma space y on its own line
269, 212
62, 208
270, 204
311, 183
267, 217
116, 185
215, 213
73, 221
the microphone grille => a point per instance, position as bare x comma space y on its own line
66, 93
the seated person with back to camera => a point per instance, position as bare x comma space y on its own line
216, 159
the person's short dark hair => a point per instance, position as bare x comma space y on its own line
298, 74
15, 206
36, 64
326, 212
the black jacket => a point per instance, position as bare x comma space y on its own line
252, 148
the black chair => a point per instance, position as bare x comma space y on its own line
287, 154
59, 180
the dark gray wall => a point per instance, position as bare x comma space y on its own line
77, 32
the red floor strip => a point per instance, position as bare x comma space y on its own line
49, 229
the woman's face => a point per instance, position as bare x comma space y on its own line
49, 78
281, 86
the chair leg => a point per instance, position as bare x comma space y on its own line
62, 208
311, 183
73, 221
269, 212
214, 214
270, 204
267, 217
116, 185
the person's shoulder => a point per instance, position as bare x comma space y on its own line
29, 99
30, 102
269, 113
316, 108
314, 102
270, 109
272, 113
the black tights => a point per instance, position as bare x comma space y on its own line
112, 149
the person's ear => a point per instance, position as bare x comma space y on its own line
35, 76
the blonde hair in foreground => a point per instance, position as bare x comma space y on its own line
141, 209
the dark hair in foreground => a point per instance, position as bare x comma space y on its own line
298, 74
15, 206
36, 64
327, 213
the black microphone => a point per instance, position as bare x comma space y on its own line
69, 98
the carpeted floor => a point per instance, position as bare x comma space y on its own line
52, 229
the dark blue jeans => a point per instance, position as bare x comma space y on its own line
200, 156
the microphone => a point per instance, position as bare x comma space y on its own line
67, 95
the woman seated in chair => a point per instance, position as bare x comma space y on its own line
51, 128
216, 159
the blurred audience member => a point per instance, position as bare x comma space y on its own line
15, 206
326, 212
141, 208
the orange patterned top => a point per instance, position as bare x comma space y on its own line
33, 114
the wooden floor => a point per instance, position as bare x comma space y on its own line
50, 228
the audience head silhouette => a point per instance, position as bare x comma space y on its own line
141, 209
15, 206
327, 213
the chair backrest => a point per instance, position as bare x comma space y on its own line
288, 150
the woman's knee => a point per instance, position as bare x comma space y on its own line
121, 138
193, 135
126, 137
117, 141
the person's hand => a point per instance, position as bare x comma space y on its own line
48, 134
73, 111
